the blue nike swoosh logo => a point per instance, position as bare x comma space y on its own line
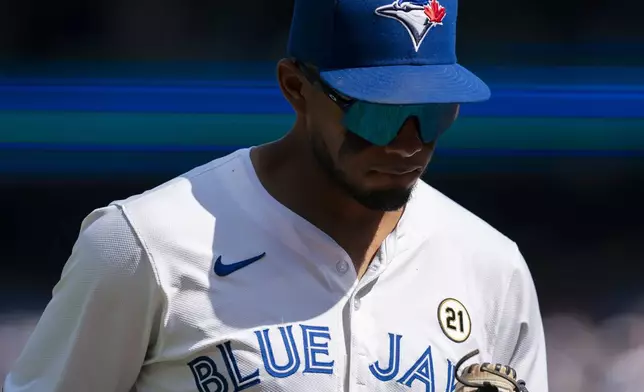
222, 269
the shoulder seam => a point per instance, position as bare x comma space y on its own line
149, 255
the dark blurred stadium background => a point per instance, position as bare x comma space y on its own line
103, 99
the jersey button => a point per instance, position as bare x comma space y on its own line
356, 304
342, 267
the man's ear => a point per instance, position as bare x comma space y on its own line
291, 82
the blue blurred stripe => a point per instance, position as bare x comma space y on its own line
592, 103
137, 120
590, 92
84, 147
221, 149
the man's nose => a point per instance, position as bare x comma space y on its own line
408, 141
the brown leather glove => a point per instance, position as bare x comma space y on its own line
486, 377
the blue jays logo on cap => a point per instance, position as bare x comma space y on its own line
417, 16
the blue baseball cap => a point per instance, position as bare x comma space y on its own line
385, 51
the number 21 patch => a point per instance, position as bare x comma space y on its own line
454, 320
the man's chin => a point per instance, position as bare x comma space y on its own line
384, 200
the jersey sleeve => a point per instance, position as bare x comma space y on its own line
520, 335
95, 331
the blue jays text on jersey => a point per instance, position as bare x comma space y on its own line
312, 355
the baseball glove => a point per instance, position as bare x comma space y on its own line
487, 377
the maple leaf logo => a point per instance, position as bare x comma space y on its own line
435, 12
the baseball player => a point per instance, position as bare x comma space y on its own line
319, 262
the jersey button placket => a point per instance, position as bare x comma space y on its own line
358, 357
360, 317
359, 379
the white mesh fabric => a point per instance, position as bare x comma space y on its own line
520, 339
107, 297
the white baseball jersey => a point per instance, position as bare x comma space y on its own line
208, 284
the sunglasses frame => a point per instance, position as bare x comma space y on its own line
314, 78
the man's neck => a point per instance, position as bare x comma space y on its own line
294, 178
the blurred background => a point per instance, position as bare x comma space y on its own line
100, 100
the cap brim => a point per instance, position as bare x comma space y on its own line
409, 84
